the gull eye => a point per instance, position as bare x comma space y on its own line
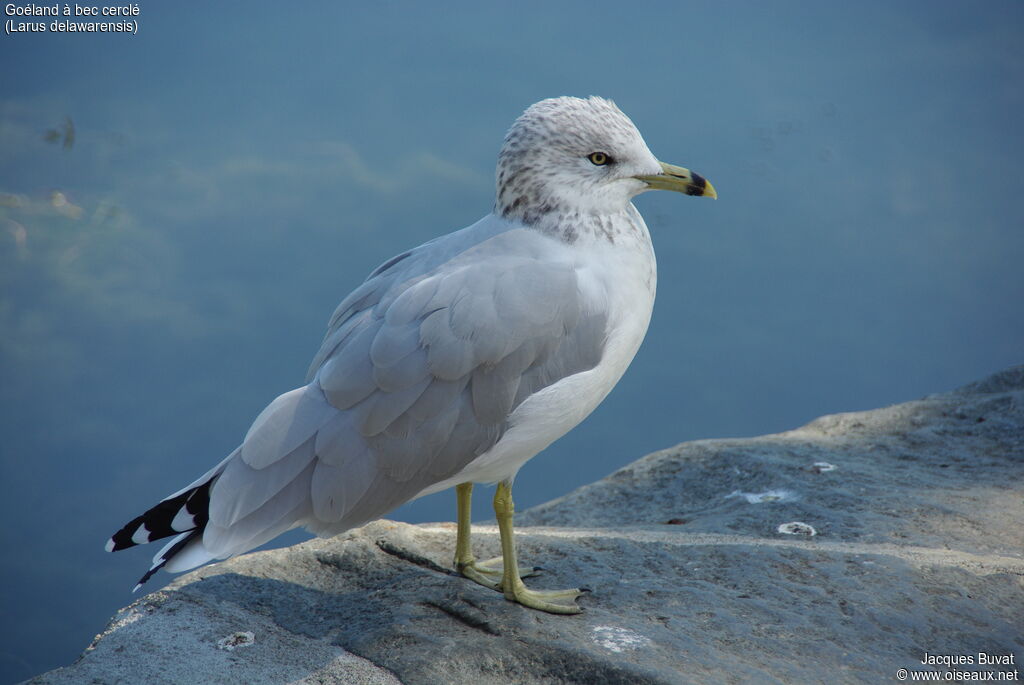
598, 158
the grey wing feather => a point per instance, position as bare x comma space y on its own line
418, 374
437, 398
393, 343
287, 508
397, 278
241, 489
336, 490
494, 387
346, 377
286, 423
381, 409
579, 350
454, 353
407, 371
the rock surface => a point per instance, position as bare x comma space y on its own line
918, 514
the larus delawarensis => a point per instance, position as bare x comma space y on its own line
455, 362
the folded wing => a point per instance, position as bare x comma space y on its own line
417, 377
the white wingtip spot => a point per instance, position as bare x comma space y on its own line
141, 535
183, 521
110, 545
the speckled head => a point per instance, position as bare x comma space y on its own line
571, 156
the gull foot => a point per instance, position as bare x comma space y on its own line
551, 601
489, 573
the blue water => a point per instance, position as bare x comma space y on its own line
169, 268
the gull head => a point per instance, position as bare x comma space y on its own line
578, 156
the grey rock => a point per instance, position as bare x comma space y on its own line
918, 548
185, 637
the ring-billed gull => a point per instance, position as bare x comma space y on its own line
455, 362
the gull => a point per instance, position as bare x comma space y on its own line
455, 362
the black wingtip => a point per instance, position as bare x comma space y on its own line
122, 539
158, 521
167, 556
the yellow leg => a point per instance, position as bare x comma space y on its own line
464, 510
488, 573
553, 601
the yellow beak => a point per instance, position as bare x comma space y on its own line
680, 180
